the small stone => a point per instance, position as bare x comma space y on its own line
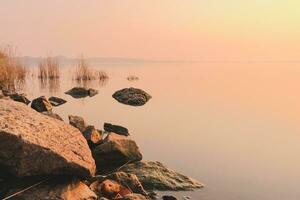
78, 122
116, 129
56, 101
92, 135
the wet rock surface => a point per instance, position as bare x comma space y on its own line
56, 101
81, 92
132, 96
116, 129
116, 150
156, 176
41, 104
34, 144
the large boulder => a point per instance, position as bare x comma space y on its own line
54, 189
116, 150
41, 104
132, 96
156, 176
116, 129
56, 101
81, 92
78, 122
34, 144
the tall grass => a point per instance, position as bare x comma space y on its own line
83, 72
49, 68
12, 72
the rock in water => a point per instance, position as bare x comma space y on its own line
34, 144
81, 92
132, 96
78, 122
116, 129
41, 104
155, 176
116, 150
55, 101
19, 98
55, 189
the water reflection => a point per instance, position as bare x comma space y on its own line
49, 85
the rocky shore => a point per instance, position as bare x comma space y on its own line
43, 157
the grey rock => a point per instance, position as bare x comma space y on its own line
41, 104
116, 129
116, 150
56, 101
132, 96
34, 144
156, 176
82, 92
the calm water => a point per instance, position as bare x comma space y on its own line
234, 126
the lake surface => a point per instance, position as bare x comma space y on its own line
233, 126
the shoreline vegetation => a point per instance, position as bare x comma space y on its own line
12, 72
43, 157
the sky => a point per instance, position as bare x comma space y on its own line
214, 30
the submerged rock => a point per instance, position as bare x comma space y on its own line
116, 129
56, 101
116, 150
132, 78
81, 92
34, 144
41, 104
132, 96
78, 122
155, 176
55, 189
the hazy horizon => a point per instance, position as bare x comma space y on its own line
190, 30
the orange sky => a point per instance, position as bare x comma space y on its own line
156, 29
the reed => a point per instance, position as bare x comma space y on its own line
49, 68
12, 72
84, 72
